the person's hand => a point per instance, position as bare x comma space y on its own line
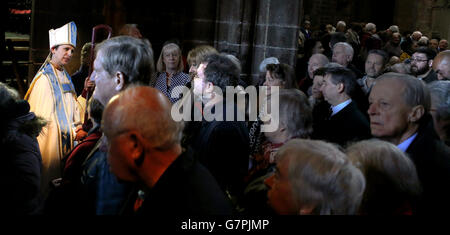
80, 133
88, 84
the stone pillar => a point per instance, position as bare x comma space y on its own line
253, 30
276, 32
440, 23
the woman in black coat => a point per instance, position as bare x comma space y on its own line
20, 161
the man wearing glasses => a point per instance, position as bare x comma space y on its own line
421, 62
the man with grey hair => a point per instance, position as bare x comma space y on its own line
370, 40
121, 62
440, 108
144, 148
315, 61
399, 113
394, 29
343, 54
341, 26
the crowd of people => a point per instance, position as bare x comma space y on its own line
362, 128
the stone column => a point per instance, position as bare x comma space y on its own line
276, 32
253, 30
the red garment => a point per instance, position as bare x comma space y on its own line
265, 159
72, 169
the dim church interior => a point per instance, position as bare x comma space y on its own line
252, 30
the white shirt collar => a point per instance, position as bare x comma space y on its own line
340, 106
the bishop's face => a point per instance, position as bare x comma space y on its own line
62, 54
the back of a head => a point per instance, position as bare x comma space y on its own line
131, 56
295, 113
370, 27
391, 177
235, 60
415, 92
399, 68
86, 53
321, 175
284, 72
221, 71
394, 29
197, 55
8, 98
265, 62
440, 98
95, 110
430, 53
146, 110
130, 30
337, 38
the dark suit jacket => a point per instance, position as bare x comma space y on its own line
431, 77
185, 188
349, 124
432, 160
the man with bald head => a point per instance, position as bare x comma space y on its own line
416, 35
144, 148
399, 113
315, 61
343, 54
441, 65
443, 45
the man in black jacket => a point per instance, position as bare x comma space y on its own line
399, 113
222, 143
345, 123
144, 148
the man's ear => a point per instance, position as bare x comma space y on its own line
119, 80
135, 147
341, 87
416, 113
349, 59
306, 210
430, 63
209, 87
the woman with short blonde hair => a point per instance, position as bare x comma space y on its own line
170, 71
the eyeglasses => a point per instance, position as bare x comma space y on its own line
417, 60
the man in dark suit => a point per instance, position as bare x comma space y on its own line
399, 113
222, 143
346, 123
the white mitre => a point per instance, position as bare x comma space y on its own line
67, 34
